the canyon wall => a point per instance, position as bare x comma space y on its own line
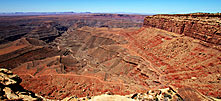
49, 27
202, 26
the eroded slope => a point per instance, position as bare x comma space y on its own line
95, 62
181, 61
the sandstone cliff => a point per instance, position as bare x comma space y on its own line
202, 26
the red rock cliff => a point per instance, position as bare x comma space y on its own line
203, 26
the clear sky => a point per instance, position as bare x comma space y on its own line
111, 6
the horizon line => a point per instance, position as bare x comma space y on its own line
72, 12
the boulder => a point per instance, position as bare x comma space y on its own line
11, 90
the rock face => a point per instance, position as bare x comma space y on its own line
11, 90
205, 27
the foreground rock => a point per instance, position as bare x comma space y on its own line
11, 90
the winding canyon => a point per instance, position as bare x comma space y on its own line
58, 56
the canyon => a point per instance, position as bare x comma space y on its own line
61, 56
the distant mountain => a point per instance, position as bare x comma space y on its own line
57, 13
33, 13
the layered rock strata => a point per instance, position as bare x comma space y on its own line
202, 26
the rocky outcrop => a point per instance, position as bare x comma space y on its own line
165, 94
11, 90
203, 26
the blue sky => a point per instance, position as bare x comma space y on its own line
111, 6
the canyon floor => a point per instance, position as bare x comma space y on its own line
59, 56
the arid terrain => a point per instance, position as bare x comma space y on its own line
59, 56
